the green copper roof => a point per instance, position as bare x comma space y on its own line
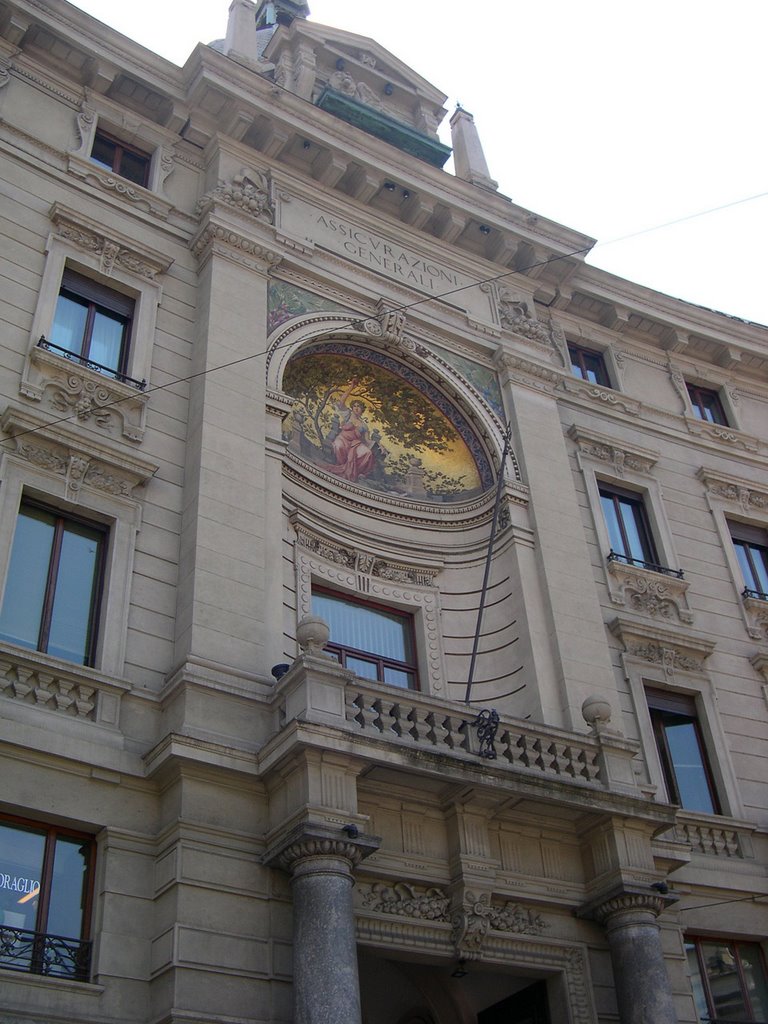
384, 127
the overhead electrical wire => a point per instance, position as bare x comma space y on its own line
399, 309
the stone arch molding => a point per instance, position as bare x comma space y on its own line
383, 337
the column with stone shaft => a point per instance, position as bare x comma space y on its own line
326, 988
643, 989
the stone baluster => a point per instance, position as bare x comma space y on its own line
643, 989
321, 862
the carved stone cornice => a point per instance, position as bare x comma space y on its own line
749, 497
221, 240
621, 456
113, 249
308, 848
81, 463
602, 396
517, 370
652, 593
660, 647
361, 561
726, 436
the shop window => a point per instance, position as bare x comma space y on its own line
706, 405
681, 751
92, 324
45, 896
589, 365
122, 159
751, 546
53, 585
729, 981
373, 641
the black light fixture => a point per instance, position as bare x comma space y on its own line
484, 229
406, 194
351, 830
390, 186
306, 144
340, 64
278, 671
661, 887
389, 89
460, 971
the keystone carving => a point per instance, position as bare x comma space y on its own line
514, 316
477, 916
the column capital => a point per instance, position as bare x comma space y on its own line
307, 848
623, 902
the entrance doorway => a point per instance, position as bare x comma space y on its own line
529, 1006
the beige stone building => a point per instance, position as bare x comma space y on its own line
310, 685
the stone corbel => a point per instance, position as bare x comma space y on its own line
655, 646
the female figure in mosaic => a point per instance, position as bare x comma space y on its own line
351, 446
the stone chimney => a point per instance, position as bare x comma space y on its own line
252, 25
468, 157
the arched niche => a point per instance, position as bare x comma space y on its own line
387, 419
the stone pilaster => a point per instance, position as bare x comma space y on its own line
321, 863
643, 989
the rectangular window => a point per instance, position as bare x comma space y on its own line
729, 981
706, 405
54, 583
116, 156
628, 527
45, 895
681, 751
372, 641
92, 323
589, 365
751, 546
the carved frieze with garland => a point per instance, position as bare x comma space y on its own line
249, 192
670, 651
657, 595
404, 900
620, 456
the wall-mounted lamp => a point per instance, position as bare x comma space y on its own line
278, 671
306, 144
460, 971
406, 194
390, 186
340, 64
389, 89
484, 229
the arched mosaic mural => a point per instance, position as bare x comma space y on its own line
369, 419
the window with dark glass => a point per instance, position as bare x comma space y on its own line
682, 754
127, 161
45, 895
53, 585
92, 323
706, 405
628, 527
729, 981
751, 546
589, 365
371, 640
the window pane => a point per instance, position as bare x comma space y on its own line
754, 979
697, 985
106, 340
397, 677
103, 152
612, 522
134, 167
365, 629
75, 592
688, 764
21, 868
69, 324
724, 982
630, 514
68, 888
27, 578
362, 668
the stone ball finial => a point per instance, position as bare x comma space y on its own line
596, 712
312, 634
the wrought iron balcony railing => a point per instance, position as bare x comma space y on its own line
53, 955
90, 364
758, 595
614, 556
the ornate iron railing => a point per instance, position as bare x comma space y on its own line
54, 955
614, 556
759, 595
90, 364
